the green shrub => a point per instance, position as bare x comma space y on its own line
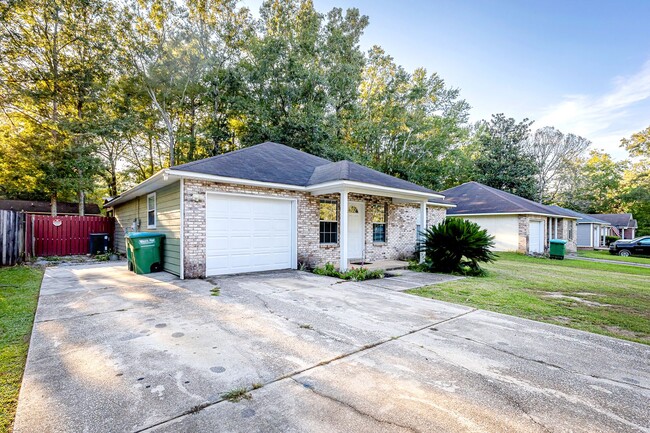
355, 274
456, 246
611, 239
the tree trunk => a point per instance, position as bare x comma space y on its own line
53, 205
82, 203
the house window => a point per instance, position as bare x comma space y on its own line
378, 213
151, 211
570, 232
328, 222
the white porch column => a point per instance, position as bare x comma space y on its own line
555, 230
423, 224
343, 237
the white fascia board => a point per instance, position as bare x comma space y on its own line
512, 213
441, 205
155, 182
363, 188
235, 180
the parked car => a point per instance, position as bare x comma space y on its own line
637, 246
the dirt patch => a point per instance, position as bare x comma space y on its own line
575, 299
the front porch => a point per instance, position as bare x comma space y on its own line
386, 265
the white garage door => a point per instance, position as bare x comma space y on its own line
536, 237
248, 234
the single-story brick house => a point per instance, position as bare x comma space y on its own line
270, 207
516, 223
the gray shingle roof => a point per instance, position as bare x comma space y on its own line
476, 198
347, 170
277, 163
583, 218
617, 219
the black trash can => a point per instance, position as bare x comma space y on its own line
99, 243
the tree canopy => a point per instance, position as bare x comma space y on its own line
96, 96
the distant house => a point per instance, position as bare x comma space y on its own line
516, 223
45, 207
622, 224
591, 230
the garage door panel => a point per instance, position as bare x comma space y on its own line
248, 234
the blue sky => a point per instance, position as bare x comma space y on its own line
581, 66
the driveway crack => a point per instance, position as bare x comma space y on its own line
356, 409
545, 363
489, 383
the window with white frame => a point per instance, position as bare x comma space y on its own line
328, 222
151, 211
378, 213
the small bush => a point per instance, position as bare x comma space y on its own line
355, 274
611, 239
456, 246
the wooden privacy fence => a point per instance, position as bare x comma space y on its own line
63, 235
12, 237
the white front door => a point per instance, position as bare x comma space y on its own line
596, 236
356, 223
536, 237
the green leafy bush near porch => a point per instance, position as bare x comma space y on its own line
356, 274
456, 246
611, 239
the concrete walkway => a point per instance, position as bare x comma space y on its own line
116, 352
613, 262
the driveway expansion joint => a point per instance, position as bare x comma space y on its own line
196, 409
81, 316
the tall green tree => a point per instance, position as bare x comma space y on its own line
636, 180
502, 161
55, 58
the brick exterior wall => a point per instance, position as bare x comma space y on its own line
563, 232
400, 229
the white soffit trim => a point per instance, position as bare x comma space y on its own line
324, 188
157, 181
512, 213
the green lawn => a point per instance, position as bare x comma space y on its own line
19, 288
607, 256
597, 297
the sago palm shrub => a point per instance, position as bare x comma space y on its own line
456, 246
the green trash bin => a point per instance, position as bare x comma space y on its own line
558, 249
144, 252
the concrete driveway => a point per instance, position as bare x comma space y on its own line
112, 351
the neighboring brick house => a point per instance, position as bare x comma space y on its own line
516, 223
270, 207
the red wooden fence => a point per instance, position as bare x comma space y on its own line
63, 235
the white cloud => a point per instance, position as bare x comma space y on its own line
607, 118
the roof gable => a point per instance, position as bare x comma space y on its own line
265, 162
475, 198
276, 163
347, 170
616, 219
583, 218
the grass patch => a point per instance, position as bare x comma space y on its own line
215, 291
596, 254
354, 274
236, 395
19, 286
604, 298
